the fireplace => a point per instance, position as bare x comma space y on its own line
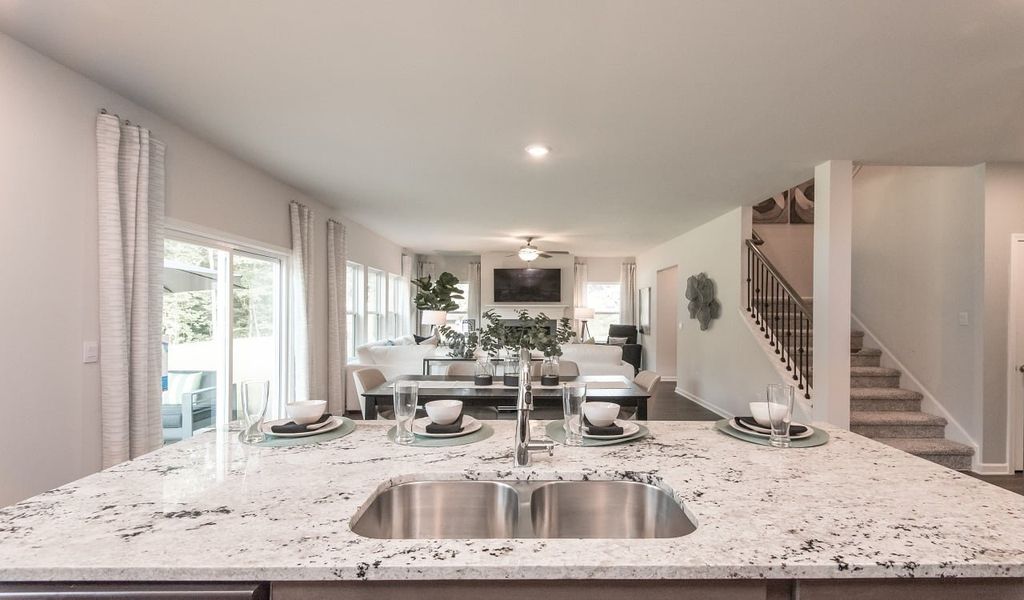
518, 324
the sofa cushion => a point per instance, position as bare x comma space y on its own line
592, 354
179, 384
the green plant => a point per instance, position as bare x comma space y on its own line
495, 336
437, 295
460, 345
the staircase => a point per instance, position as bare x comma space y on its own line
879, 408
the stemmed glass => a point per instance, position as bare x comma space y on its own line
255, 396
406, 398
780, 413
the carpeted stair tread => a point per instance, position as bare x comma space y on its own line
884, 394
886, 417
874, 372
867, 352
929, 446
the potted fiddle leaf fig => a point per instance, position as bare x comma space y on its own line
440, 294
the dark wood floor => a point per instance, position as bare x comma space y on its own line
667, 405
1014, 483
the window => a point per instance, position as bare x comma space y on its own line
398, 306
223, 322
376, 304
604, 299
460, 314
354, 307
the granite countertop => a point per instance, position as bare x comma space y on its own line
213, 509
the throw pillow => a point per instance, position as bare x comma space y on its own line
419, 338
428, 341
617, 341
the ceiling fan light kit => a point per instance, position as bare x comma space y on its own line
529, 253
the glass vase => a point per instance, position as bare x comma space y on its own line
549, 371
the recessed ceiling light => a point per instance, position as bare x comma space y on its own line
537, 150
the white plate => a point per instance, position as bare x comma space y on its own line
806, 434
469, 425
628, 428
332, 424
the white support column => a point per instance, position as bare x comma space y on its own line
833, 238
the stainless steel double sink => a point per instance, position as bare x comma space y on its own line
522, 509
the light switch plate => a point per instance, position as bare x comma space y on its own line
964, 319
90, 352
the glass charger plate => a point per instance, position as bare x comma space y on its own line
556, 431
347, 427
483, 433
818, 438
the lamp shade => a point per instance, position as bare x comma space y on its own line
582, 313
434, 317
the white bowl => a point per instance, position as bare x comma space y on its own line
601, 414
305, 412
443, 412
759, 410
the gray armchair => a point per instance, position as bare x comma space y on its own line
631, 350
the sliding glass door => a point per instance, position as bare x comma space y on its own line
256, 341
223, 323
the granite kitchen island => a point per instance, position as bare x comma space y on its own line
851, 514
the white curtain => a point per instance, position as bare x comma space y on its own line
627, 294
302, 285
410, 309
579, 290
474, 292
130, 196
337, 338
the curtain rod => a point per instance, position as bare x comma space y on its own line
104, 111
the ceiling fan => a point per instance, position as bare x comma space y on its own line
529, 253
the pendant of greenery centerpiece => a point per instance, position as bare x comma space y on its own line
497, 339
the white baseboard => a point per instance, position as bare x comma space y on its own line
708, 405
991, 468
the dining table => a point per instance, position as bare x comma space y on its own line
607, 388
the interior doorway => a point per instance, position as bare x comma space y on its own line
1015, 379
666, 319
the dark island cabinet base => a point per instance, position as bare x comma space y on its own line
833, 589
134, 591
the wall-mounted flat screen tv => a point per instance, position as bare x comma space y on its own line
527, 285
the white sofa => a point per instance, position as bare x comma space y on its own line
407, 359
598, 359
392, 360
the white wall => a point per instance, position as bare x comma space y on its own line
604, 269
724, 367
1004, 216
917, 264
791, 250
48, 241
456, 265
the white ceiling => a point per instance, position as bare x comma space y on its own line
412, 116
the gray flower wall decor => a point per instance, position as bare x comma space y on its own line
703, 306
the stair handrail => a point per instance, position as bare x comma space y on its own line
790, 290
788, 322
